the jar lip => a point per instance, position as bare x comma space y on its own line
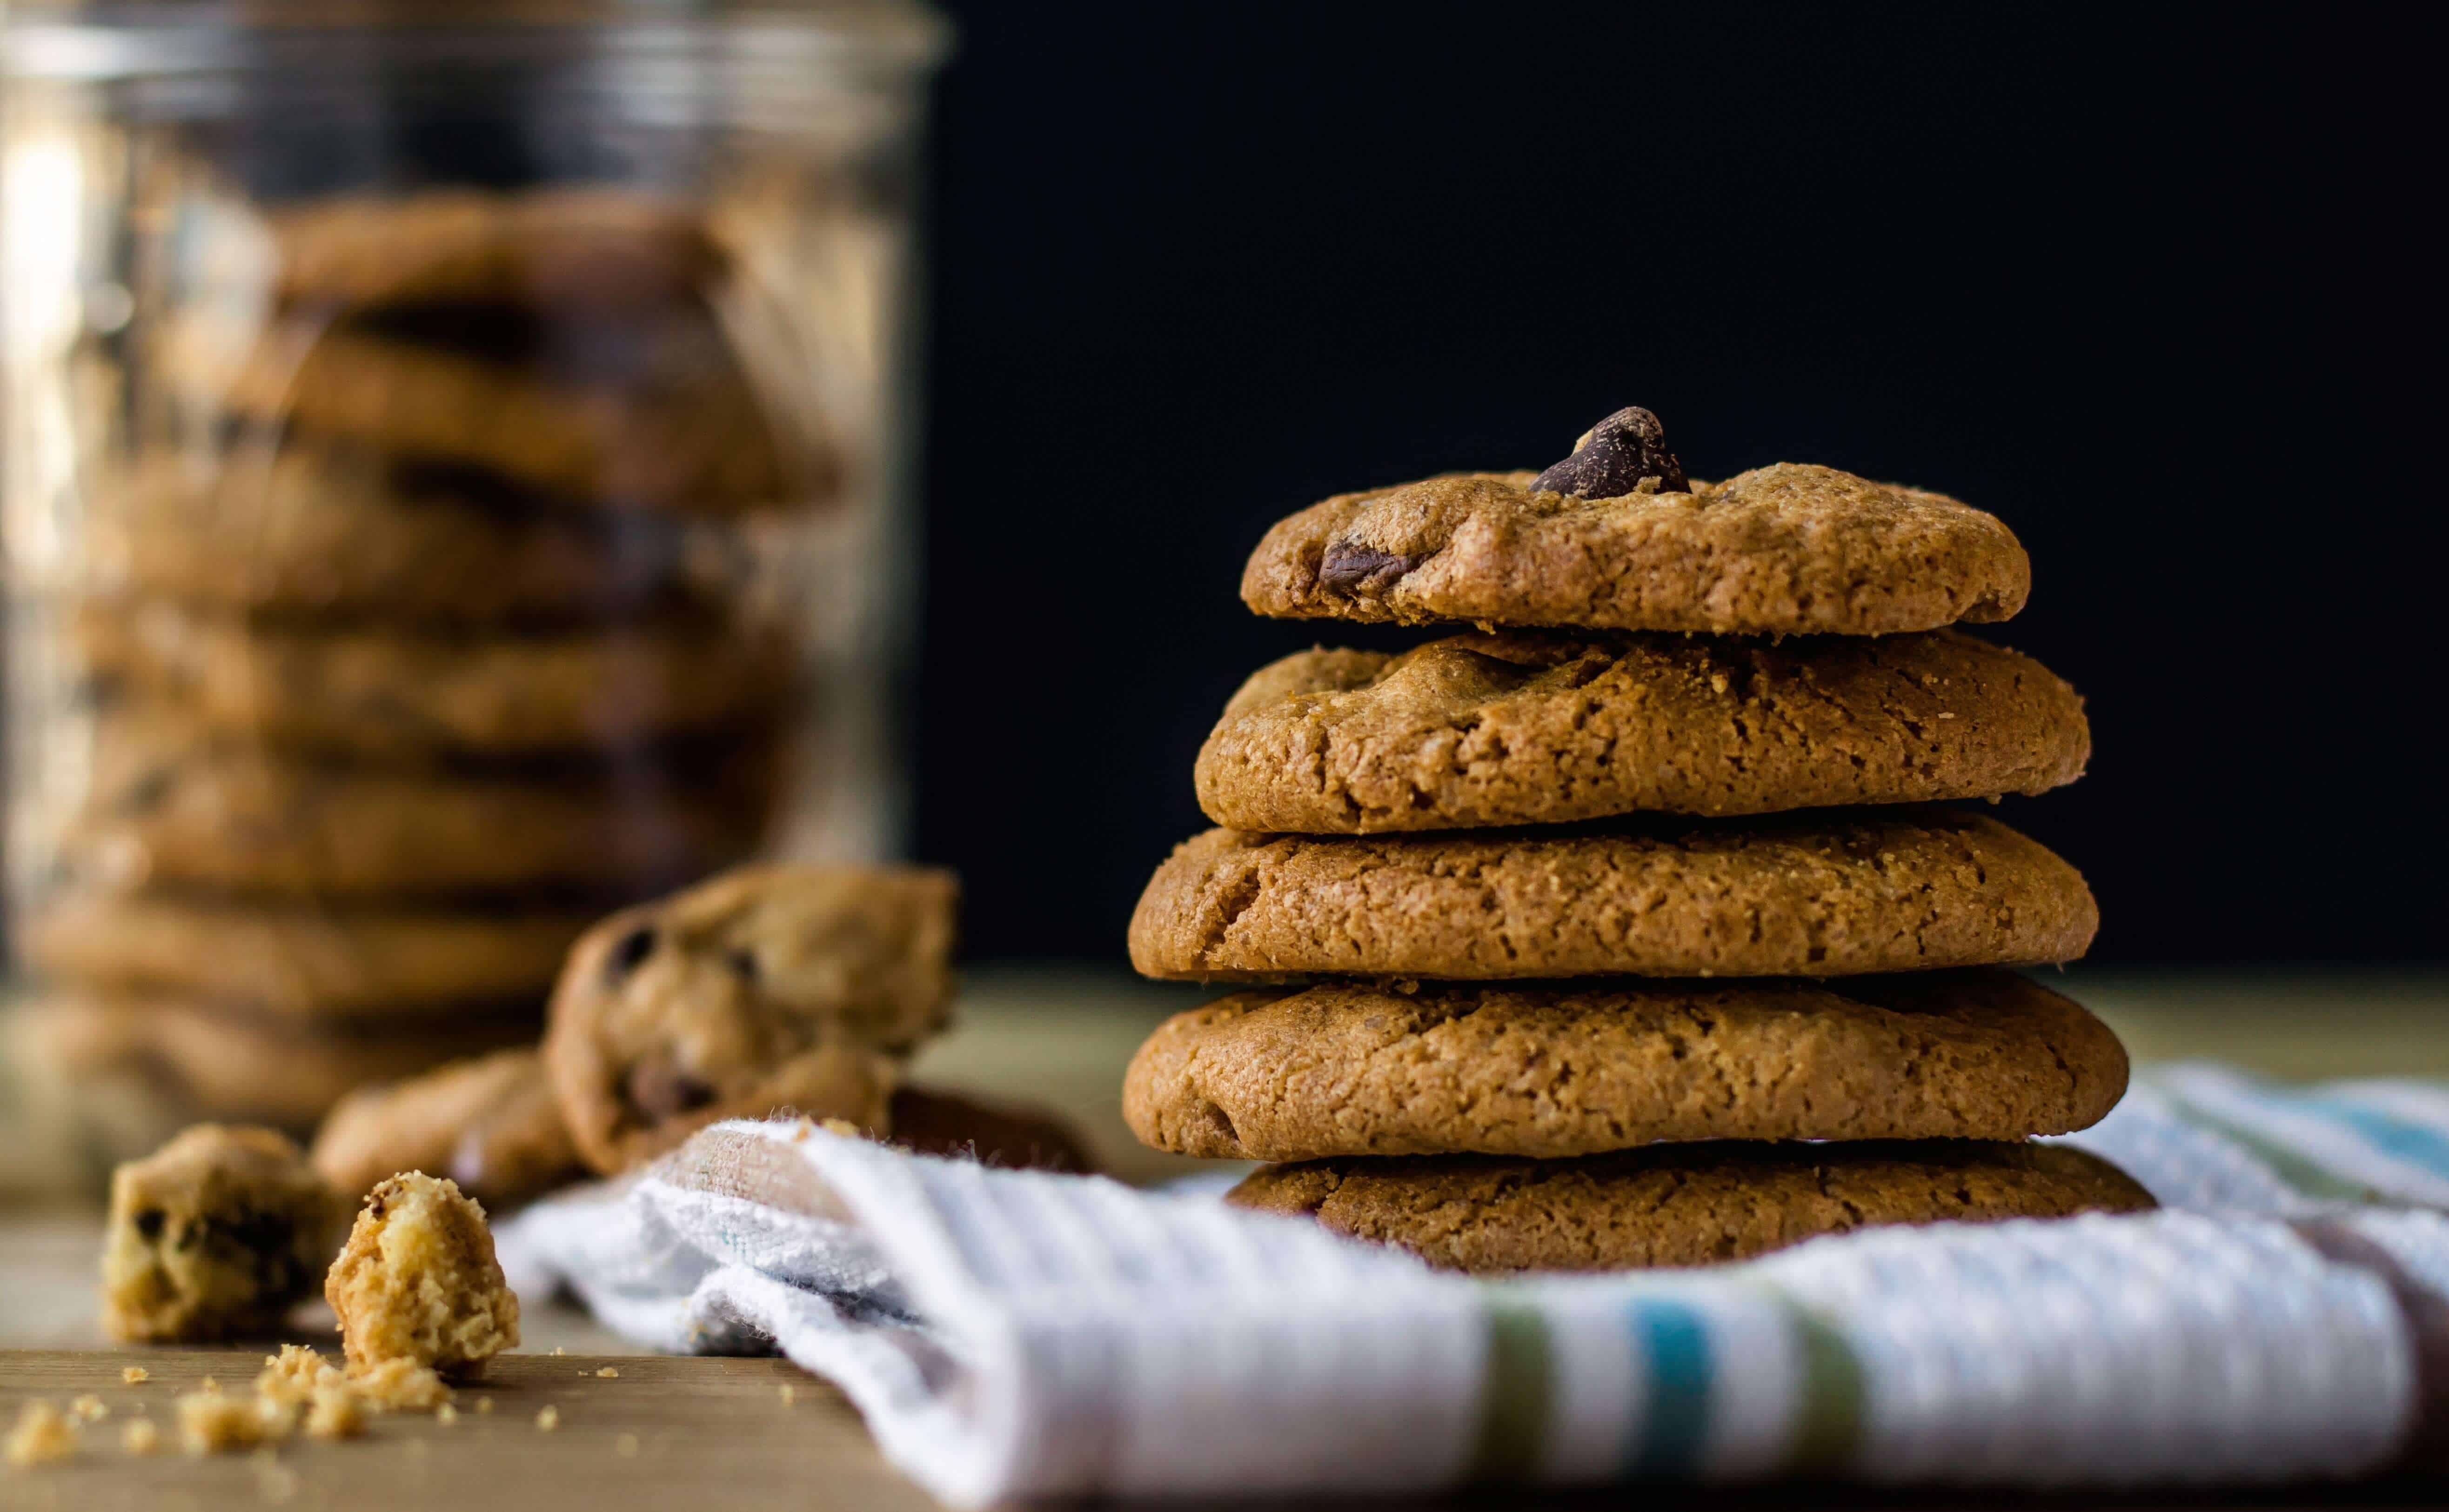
873, 39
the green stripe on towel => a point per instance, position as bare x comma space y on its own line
1828, 1421
1514, 1395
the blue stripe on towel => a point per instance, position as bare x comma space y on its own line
1675, 1420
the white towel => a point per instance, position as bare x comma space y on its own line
1014, 1334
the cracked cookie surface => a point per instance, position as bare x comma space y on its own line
1582, 1068
1482, 729
1827, 894
1790, 550
1694, 1204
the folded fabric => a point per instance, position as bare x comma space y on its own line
1015, 1335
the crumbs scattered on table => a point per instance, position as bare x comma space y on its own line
136, 1375
42, 1435
607, 1374
548, 1419
141, 1436
790, 1393
88, 1408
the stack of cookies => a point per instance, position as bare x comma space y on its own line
1581, 927
428, 618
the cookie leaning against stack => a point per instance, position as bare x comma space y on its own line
419, 628
1578, 921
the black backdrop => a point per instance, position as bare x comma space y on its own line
2154, 289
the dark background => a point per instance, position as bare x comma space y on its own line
2154, 289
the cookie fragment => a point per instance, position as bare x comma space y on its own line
779, 988
216, 1234
1680, 1204
492, 1123
1555, 1070
418, 1282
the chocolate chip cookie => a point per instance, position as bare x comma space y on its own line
1828, 894
222, 815
770, 987
216, 1234
1524, 728
653, 415
1790, 550
1582, 1068
303, 962
491, 1124
1680, 1204
209, 1061
300, 529
418, 1281
961, 1127
582, 246
386, 691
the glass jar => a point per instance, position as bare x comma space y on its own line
453, 467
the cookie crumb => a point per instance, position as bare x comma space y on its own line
626, 1445
212, 1423
399, 1385
790, 1393
558, 1352
136, 1375
548, 1419
484, 1403
845, 1128
209, 1386
296, 1375
43, 1435
142, 1436
446, 1414
88, 1408
607, 1374
337, 1412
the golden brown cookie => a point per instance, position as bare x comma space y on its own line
221, 815
1479, 730
1582, 1068
418, 1281
203, 1061
1680, 1204
1828, 894
391, 692
377, 965
303, 528
962, 1127
1788, 549
585, 246
217, 1233
655, 414
491, 1124
774, 987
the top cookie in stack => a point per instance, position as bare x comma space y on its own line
1601, 775
419, 628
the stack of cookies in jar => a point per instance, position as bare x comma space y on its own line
427, 620
1652, 913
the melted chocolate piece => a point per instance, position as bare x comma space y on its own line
1349, 567
1610, 461
630, 953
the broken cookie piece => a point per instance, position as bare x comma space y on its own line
418, 1282
491, 1123
767, 991
217, 1233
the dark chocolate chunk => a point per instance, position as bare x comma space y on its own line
630, 953
661, 1090
1349, 567
1610, 461
743, 963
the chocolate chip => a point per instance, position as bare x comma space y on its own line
629, 955
148, 1223
661, 1090
1612, 459
1350, 568
742, 962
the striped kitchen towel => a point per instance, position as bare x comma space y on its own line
1015, 1335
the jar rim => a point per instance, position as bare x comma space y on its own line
877, 41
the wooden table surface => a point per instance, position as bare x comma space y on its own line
711, 1434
